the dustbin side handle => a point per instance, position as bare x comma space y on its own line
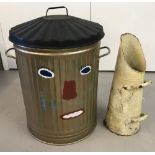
7, 53
105, 54
57, 7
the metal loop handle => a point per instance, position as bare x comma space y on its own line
57, 7
7, 53
105, 47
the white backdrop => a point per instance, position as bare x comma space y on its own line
116, 18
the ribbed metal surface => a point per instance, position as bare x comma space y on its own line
56, 32
44, 100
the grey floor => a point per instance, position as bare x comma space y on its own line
14, 135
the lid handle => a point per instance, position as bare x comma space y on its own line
57, 7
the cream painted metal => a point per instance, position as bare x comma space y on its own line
124, 110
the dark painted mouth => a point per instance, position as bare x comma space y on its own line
73, 114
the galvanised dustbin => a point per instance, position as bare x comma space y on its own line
58, 57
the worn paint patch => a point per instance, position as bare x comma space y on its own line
54, 105
43, 103
72, 114
69, 90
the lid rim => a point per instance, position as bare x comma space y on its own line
56, 33
40, 46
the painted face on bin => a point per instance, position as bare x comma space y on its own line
69, 91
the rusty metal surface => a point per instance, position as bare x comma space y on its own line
51, 117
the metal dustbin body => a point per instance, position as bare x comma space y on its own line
68, 93
59, 85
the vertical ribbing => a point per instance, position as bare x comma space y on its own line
44, 100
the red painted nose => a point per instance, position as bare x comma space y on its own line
69, 91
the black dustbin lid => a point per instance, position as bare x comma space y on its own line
56, 31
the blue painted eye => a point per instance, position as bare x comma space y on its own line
45, 73
85, 70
